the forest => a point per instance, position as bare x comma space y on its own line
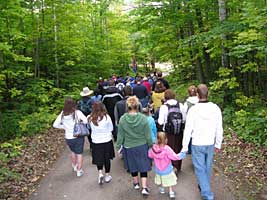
50, 49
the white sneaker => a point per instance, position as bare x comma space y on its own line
136, 186
74, 167
80, 172
172, 195
145, 191
100, 179
161, 190
108, 178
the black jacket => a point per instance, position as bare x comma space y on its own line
110, 100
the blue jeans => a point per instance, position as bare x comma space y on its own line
202, 157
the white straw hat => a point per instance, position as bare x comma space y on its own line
86, 92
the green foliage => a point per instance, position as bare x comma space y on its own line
8, 150
251, 126
7, 174
248, 117
63, 46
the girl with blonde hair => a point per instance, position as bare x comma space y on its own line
162, 154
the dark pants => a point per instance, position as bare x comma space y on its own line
107, 166
175, 142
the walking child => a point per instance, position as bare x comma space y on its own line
162, 155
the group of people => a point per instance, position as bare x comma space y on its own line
140, 116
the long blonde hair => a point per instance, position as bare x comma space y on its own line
161, 138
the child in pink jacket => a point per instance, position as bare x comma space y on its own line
162, 155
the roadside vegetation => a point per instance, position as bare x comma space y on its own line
51, 49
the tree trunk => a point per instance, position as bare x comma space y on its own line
55, 41
222, 17
198, 62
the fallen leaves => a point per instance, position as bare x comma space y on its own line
245, 165
37, 156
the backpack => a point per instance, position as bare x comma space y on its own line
85, 106
174, 119
120, 86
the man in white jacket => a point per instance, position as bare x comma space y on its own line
204, 126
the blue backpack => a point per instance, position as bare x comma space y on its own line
85, 106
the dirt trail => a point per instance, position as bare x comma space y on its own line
62, 184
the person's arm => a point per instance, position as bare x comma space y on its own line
147, 132
109, 124
163, 112
173, 156
116, 114
182, 108
120, 136
219, 131
58, 122
81, 116
150, 153
79, 105
188, 130
154, 131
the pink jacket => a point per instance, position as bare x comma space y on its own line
162, 156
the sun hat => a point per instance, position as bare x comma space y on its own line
86, 92
145, 79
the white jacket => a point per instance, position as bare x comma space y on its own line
204, 125
67, 123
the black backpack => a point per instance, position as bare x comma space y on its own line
174, 120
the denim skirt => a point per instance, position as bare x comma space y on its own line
76, 145
136, 159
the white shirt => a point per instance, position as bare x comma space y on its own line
192, 100
103, 132
163, 111
67, 122
204, 125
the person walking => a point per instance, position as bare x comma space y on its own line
152, 124
164, 81
162, 155
174, 139
66, 120
134, 135
140, 91
102, 144
204, 126
190, 101
147, 85
112, 96
85, 105
120, 106
157, 98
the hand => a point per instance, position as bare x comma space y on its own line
182, 155
216, 150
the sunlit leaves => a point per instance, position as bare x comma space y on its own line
243, 101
